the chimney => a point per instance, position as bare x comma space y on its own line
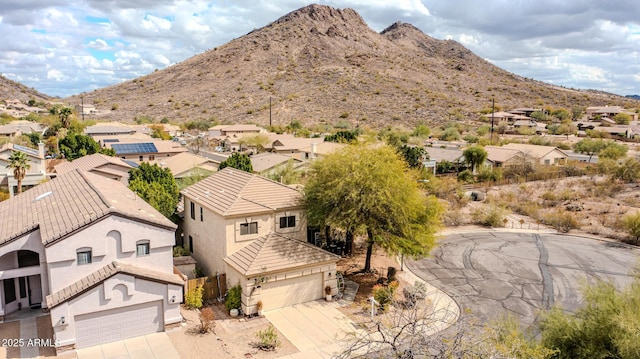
41, 149
314, 148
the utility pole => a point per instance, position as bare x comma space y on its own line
493, 110
82, 106
270, 124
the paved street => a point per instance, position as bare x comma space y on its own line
492, 273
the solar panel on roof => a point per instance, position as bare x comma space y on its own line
110, 140
128, 148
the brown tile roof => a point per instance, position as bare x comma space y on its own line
69, 202
99, 276
91, 162
501, 154
182, 162
268, 160
275, 253
534, 151
231, 192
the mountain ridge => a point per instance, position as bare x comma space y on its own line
324, 65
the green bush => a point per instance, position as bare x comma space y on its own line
179, 251
193, 298
465, 176
562, 221
491, 216
384, 294
267, 339
234, 297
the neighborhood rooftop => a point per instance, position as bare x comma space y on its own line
70, 202
90, 162
230, 192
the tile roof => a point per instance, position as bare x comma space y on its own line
501, 154
444, 154
231, 192
182, 162
99, 276
69, 202
91, 162
275, 253
534, 151
267, 160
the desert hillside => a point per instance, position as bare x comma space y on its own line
319, 64
12, 90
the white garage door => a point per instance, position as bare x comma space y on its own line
117, 324
288, 292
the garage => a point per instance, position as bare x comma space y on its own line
283, 293
117, 324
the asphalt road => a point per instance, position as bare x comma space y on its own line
496, 273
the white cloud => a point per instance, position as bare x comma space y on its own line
55, 75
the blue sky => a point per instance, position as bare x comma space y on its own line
65, 47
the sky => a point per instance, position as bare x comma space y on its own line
66, 47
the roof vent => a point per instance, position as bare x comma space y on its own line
43, 196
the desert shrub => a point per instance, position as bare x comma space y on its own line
465, 176
384, 295
490, 216
414, 293
453, 218
527, 208
486, 174
267, 339
234, 297
631, 224
471, 138
207, 320
179, 251
549, 196
391, 274
193, 298
562, 221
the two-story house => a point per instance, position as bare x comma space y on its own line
106, 166
235, 221
93, 254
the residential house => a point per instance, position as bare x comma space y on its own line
452, 155
36, 173
232, 214
106, 166
94, 255
267, 162
544, 155
504, 157
508, 117
187, 164
101, 130
599, 112
229, 136
146, 151
17, 128
85, 109
301, 148
525, 111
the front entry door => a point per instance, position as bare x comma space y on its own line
35, 291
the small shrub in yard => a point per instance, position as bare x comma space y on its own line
384, 294
562, 221
491, 216
207, 320
234, 297
631, 224
267, 339
193, 298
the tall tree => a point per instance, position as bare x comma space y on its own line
64, 114
239, 161
413, 155
156, 186
20, 164
474, 156
75, 145
369, 190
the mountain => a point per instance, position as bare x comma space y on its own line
11, 90
635, 97
319, 64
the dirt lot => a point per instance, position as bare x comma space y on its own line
232, 337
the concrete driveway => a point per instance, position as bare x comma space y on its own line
493, 273
315, 328
151, 346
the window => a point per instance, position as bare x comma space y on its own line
142, 249
288, 222
191, 244
9, 290
193, 210
84, 256
201, 215
248, 228
152, 157
141, 158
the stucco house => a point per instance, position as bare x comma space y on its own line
232, 218
93, 254
142, 151
106, 166
187, 164
544, 155
36, 173
504, 157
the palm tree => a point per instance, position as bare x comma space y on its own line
64, 116
20, 164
